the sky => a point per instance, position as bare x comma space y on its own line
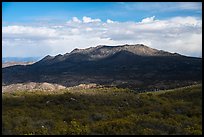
37, 29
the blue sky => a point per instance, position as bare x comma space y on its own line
46, 25
119, 11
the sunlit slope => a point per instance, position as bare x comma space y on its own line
103, 111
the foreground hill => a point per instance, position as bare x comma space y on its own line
129, 66
99, 110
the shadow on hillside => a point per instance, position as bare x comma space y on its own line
123, 69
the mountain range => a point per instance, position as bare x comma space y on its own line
130, 66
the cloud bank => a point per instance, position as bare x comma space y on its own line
178, 34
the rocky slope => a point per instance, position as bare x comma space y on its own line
32, 86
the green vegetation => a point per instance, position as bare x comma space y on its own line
103, 111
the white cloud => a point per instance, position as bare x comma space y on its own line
58, 26
75, 31
109, 21
148, 20
88, 20
75, 19
179, 34
89, 29
189, 21
27, 32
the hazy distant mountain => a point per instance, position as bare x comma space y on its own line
8, 64
133, 66
20, 59
12, 61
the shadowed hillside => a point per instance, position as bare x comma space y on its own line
130, 66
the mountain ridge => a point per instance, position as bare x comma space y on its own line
130, 66
103, 51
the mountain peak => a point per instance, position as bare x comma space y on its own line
48, 57
104, 51
75, 50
